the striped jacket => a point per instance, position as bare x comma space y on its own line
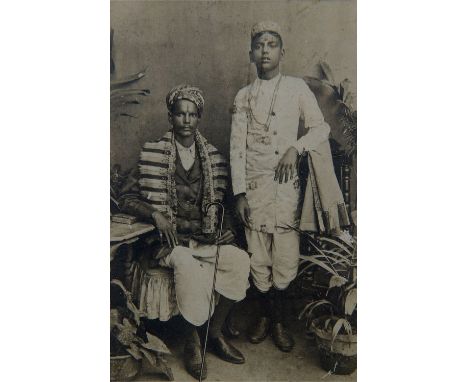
156, 186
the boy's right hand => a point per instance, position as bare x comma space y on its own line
165, 228
243, 209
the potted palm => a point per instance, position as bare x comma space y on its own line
332, 319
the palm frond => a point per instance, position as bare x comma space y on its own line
345, 247
309, 308
313, 259
306, 268
338, 256
128, 79
340, 323
327, 72
120, 93
350, 301
327, 322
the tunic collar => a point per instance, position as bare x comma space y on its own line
273, 80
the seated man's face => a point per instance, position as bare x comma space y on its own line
184, 118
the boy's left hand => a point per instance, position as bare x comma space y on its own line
287, 165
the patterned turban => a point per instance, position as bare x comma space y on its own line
265, 26
187, 92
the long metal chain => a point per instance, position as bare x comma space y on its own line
266, 125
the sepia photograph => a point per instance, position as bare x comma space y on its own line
225, 132
233, 203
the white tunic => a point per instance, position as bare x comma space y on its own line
256, 150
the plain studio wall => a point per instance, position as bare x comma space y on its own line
206, 44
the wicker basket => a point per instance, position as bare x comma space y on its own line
339, 356
123, 368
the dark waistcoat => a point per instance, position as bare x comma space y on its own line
189, 186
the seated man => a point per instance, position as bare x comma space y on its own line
179, 174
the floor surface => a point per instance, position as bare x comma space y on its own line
264, 362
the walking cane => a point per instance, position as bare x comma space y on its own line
220, 232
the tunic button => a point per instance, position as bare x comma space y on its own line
276, 152
274, 132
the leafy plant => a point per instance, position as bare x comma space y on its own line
337, 258
336, 101
120, 95
121, 98
120, 183
128, 335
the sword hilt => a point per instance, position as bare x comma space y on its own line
218, 205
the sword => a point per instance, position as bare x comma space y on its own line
220, 231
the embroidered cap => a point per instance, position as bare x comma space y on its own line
265, 26
187, 92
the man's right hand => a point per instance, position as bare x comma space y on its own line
165, 228
243, 209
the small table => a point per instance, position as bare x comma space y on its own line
122, 231
153, 289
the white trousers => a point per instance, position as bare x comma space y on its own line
193, 275
275, 258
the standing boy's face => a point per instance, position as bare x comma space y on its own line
266, 51
184, 118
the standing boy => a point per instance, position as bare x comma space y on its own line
264, 153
